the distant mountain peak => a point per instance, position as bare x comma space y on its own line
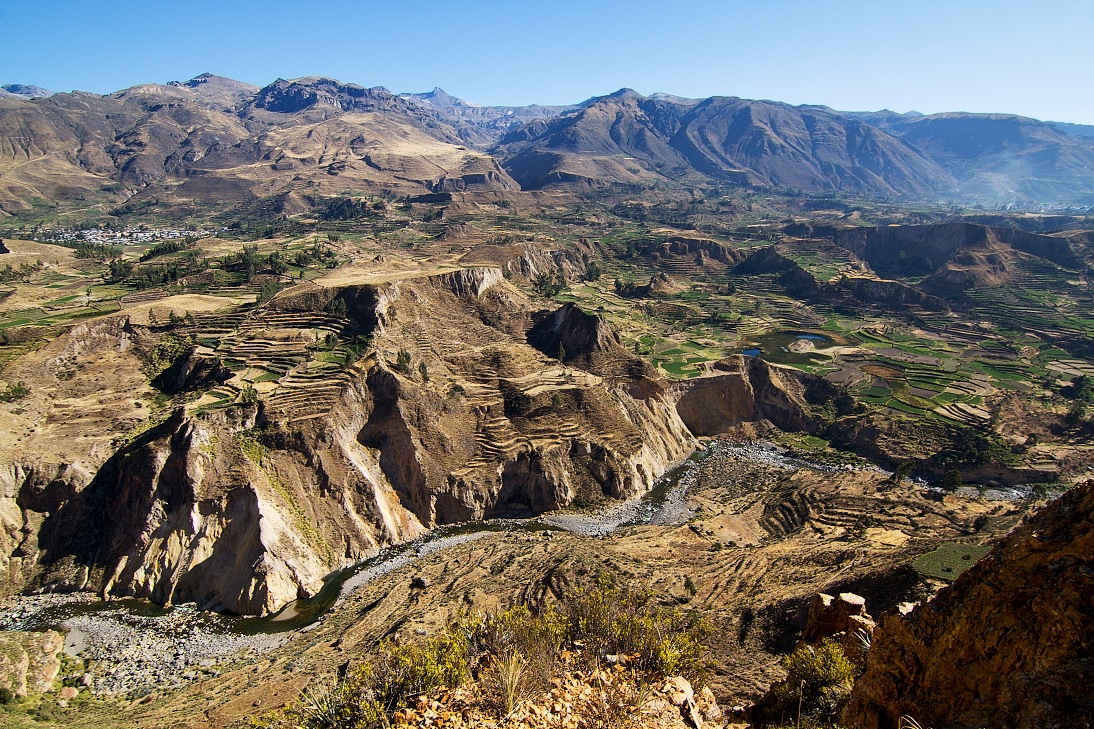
27, 91
662, 96
440, 98
211, 79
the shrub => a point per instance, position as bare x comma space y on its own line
610, 619
404, 671
15, 391
818, 683
333, 707
523, 648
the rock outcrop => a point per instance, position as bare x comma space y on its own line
743, 390
1008, 644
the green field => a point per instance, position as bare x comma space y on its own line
949, 561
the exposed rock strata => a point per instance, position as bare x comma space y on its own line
743, 389
248, 507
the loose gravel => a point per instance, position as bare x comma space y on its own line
130, 653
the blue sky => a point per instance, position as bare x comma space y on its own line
1029, 58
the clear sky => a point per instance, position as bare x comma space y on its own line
1031, 58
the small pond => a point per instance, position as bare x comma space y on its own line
779, 347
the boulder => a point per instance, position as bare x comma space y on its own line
829, 617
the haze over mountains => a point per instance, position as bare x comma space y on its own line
181, 145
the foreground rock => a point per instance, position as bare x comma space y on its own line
1009, 644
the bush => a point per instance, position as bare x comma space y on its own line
402, 361
405, 671
522, 650
333, 707
15, 391
613, 620
818, 683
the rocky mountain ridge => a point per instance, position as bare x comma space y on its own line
177, 145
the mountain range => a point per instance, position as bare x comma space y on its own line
214, 143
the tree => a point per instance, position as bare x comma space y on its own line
902, 471
248, 395
402, 361
338, 308
951, 481
267, 291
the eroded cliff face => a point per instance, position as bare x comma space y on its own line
1008, 644
457, 410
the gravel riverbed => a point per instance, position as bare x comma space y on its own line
126, 651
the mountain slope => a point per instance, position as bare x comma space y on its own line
1000, 157
1007, 644
212, 140
753, 142
806, 149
